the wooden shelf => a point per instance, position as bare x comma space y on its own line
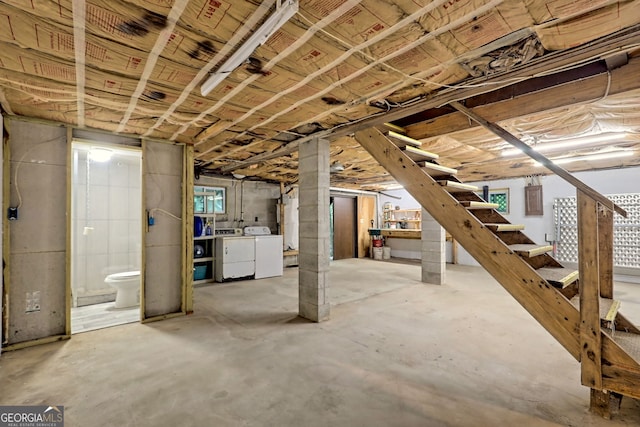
413, 217
401, 233
203, 259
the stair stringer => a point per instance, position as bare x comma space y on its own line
620, 371
550, 308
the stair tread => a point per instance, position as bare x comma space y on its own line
562, 277
629, 342
470, 204
530, 250
453, 186
403, 140
395, 128
504, 227
608, 307
433, 169
416, 154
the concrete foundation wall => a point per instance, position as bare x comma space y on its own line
164, 246
37, 240
254, 198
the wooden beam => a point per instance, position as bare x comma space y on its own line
591, 88
553, 61
538, 297
548, 63
590, 337
562, 173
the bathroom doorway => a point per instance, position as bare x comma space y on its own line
106, 235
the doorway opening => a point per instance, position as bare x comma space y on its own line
342, 211
106, 235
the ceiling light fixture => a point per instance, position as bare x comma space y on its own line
591, 157
336, 167
570, 143
284, 12
100, 155
394, 187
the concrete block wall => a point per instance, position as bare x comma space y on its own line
433, 250
259, 199
313, 273
37, 240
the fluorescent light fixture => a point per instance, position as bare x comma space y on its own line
394, 187
569, 143
284, 12
591, 157
100, 155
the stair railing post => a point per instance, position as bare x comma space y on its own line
605, 254
588, 265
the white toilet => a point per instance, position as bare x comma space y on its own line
127, 285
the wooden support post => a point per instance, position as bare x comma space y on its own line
454, 251
590, 337
605, 252
187, 229
605, 403
281, 231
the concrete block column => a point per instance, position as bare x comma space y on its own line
433, 250
313, 213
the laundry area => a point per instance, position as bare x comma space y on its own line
222, 253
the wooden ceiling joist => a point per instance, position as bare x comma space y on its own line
620, 42
585, 89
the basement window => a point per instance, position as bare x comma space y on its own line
209, 200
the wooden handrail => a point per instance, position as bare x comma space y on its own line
562, 173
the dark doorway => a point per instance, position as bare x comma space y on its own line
344, 227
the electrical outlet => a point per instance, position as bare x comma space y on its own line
12, 214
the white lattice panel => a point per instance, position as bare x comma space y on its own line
626, 231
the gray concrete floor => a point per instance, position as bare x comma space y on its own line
396, 352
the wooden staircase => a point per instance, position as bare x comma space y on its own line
580, 314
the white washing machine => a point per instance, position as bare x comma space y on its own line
268, 251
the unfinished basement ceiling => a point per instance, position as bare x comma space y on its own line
136, 68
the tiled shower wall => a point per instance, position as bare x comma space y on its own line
106, 217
